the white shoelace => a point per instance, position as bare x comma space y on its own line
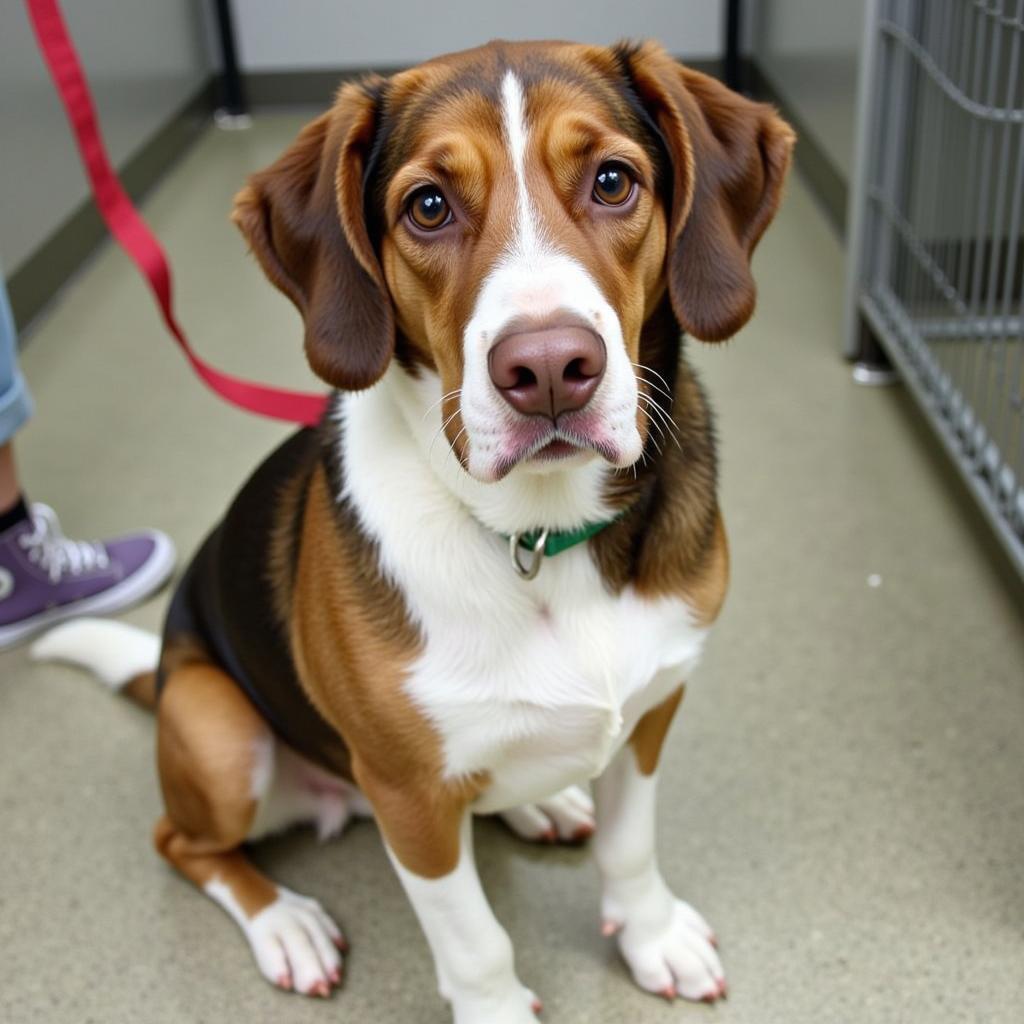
56, 554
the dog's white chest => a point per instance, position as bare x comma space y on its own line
540, 683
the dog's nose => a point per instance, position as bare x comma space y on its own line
548, 372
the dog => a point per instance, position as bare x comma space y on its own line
484, 579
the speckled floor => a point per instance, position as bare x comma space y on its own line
843, 794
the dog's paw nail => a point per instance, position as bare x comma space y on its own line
609, 928
713, 939
336, 976
341, 942
537, 1006
723, 989
319, 988
284, 981
668, 992
583, 833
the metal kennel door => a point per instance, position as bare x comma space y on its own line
937, 230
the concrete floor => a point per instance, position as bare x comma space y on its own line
843, 795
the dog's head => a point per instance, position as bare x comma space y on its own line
508, 219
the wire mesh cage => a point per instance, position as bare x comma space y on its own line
938, 229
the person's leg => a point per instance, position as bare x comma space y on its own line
15, 405
44, 576
10, 490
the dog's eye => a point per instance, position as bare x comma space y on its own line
613, 184
428, 208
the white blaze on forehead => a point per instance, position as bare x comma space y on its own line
535, 277
513, 108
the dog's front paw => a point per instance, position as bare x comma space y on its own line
566, 817
296, 945
670, 953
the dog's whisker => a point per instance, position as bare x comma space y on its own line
657, 447
650, 403
657, 387
455, 441
658, 391
438, 402
437, 434
653, 423
658, 399
650, 369
441, 400
662, 417
450, 418
657, 432
666, 389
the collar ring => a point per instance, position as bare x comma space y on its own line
535, 550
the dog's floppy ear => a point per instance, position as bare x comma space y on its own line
729, 158
304, 218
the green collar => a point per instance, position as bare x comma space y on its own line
540, 543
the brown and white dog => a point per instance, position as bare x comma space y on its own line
495, 255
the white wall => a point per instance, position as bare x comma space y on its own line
307, 34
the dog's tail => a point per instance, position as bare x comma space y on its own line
122, 656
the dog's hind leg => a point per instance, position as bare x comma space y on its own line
216, 761
566, 816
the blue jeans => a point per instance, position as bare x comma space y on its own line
15, 401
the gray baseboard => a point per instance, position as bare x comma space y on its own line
308, 88
39, 278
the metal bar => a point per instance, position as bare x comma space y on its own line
868, 103
891, 258
959, 68
905, 125
978, 364
733, 57
1015, 444
235, 104
944, 193
1015, 426
900, 134
973, 69
996, 375
922, 177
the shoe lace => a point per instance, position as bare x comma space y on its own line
55, 554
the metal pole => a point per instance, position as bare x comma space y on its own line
234, 113
857, 215
733, 58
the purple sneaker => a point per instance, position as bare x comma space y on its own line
46, 577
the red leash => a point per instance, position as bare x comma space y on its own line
130, 230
